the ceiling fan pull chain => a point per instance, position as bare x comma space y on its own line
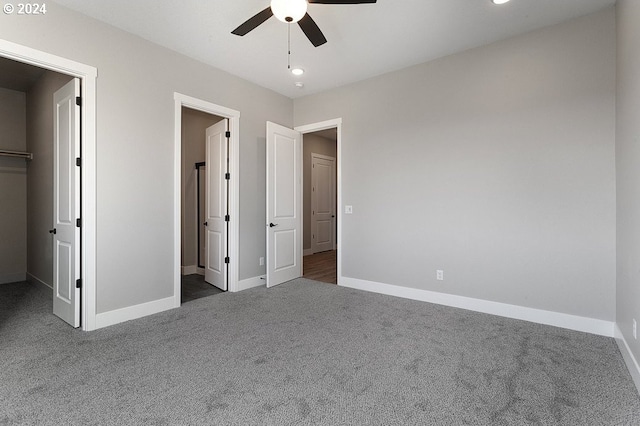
288, 46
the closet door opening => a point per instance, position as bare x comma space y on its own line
39, 178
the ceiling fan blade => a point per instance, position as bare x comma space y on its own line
312, 31
341, 1
253, 22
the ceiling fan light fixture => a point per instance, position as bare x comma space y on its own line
290, 11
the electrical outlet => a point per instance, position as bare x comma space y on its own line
262, 261
440, 275
635, 329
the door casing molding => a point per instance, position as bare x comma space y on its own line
180, 101
87, 75
335, 123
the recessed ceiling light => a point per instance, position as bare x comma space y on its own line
499, 1
299, 84
297, 71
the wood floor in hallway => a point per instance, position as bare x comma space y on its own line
321, 267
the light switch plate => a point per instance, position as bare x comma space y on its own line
348, 209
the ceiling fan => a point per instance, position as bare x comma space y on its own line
292, 11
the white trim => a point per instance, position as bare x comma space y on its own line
88, 75
316, 127
629, 359
13, 277
32, 278
307, 252
117, 316
234, 193
556, 319
251, 283
189, 270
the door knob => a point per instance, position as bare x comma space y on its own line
271, 225
206, 224
52, 231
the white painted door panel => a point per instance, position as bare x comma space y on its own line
323, 203
66, 200
284, 204
215, 271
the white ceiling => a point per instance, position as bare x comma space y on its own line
363, 40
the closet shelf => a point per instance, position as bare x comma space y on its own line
16, 154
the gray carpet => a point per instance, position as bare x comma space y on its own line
305, 353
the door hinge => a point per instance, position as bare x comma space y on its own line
227, 218
227, 260
78, 283
227, 176
227, 134
78, 101
78, 223
78, 162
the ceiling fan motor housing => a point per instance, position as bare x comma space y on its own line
293, 11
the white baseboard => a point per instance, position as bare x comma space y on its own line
32, 278
117, 316
307, 252
15, 277
200, 271
556, 319
189, 270
629, 359
250, 283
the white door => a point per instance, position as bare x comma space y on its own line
215, 271
284, 204
323, 203
66, 204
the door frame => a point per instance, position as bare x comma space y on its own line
313, 199
180, 101
335, 123
87, 75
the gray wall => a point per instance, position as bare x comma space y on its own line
13, 187
315, 144
628, 169
194, 127
135, 143
40, 177
495, 165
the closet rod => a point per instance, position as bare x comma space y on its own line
18, 154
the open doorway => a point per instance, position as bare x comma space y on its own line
196, 229
40, 184
320, 218
85, 76
206, 188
